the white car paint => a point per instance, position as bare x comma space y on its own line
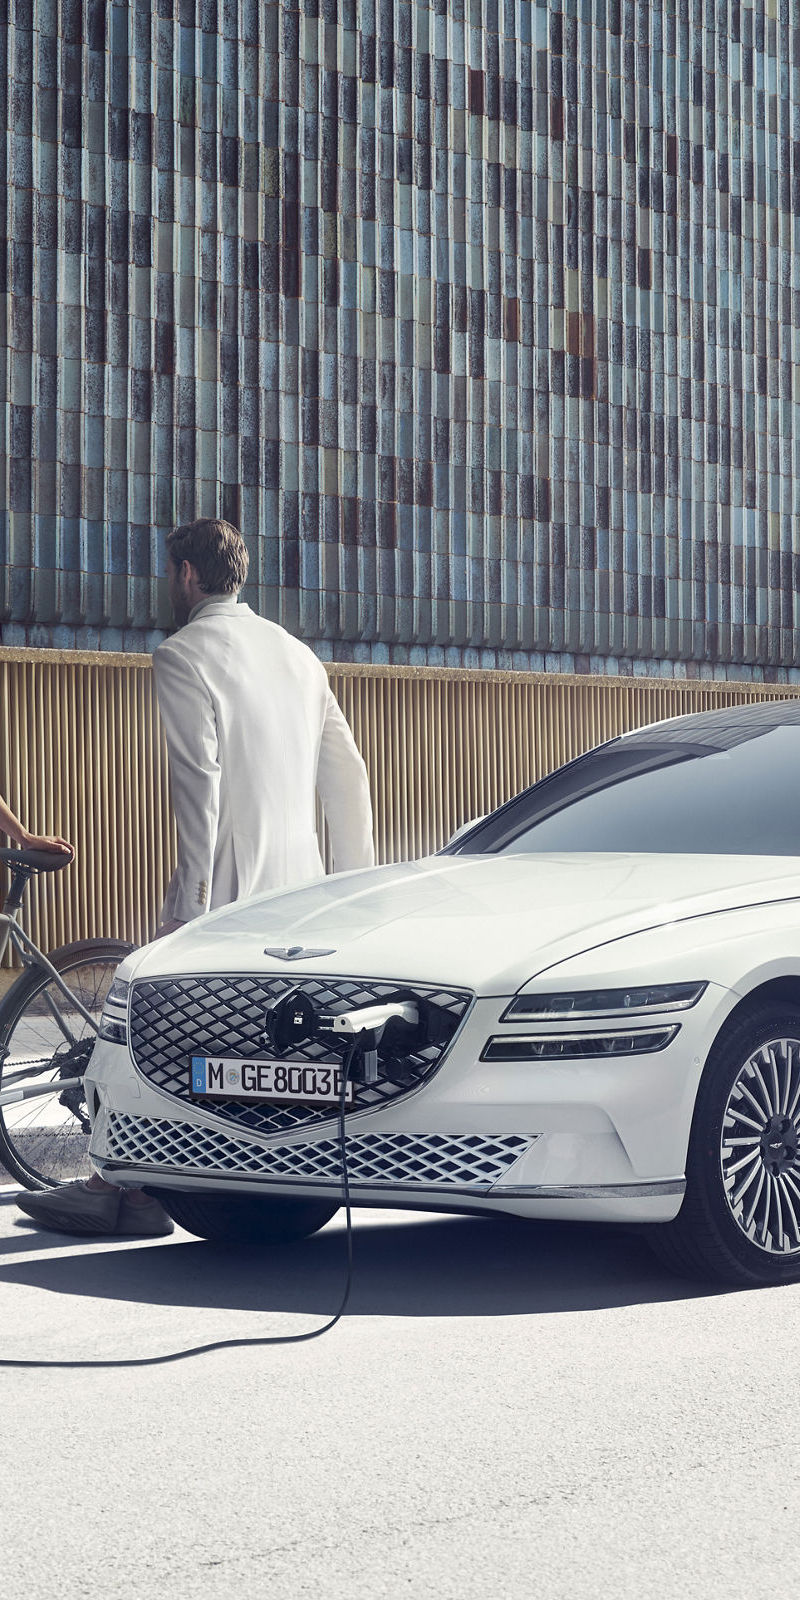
487, 922
601, 1138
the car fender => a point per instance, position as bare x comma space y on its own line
736, 952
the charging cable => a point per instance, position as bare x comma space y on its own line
353, 1050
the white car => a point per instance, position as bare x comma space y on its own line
586, 1007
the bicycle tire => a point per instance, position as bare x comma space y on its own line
44, 1141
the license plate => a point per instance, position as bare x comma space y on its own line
234, 1078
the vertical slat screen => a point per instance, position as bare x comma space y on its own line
82, 753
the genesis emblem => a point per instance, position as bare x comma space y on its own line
295, 952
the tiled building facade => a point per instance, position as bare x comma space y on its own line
480, 317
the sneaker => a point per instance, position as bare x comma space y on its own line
73, 1208
148, 1219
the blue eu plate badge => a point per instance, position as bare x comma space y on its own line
198, 1074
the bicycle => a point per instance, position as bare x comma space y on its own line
48, 1024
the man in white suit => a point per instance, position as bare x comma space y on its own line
253, 733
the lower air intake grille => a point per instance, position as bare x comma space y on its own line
474, 1161
173, 1019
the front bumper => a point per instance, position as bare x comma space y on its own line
601, 1138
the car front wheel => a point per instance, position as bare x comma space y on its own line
740, 1219
244, 1219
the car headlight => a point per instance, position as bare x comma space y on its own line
114, 1020
576, 1046
580, 1003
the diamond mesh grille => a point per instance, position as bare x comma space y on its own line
466, 1160
173, 1019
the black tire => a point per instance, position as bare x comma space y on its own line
244, 1219
44, 1142
713, 1236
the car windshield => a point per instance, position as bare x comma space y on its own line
679, 796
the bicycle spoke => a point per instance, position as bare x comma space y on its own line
50, 1037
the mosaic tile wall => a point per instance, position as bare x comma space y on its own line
480, 317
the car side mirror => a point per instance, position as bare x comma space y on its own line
465, 828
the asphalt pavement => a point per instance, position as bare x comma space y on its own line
506, 1410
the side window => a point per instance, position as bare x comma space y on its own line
738, 800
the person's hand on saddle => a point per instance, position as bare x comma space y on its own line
11, 825
46, 841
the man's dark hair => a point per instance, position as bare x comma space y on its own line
215, 549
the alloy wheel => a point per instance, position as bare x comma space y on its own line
760, 1148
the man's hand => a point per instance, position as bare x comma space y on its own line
169, 927
46, 841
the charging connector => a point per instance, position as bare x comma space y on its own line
369, 1019
365, 1026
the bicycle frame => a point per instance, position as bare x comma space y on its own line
32, 956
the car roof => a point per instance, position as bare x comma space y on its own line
720, 729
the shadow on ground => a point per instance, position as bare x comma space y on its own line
422, 1266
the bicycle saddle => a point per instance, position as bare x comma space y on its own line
35, 860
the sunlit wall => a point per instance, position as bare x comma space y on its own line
480, 319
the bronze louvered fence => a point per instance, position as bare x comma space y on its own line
82, 753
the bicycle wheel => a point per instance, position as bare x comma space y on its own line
45, 1038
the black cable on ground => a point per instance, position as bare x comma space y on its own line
236, 1344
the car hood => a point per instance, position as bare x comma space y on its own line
488, 923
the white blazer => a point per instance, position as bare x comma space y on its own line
253, 732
